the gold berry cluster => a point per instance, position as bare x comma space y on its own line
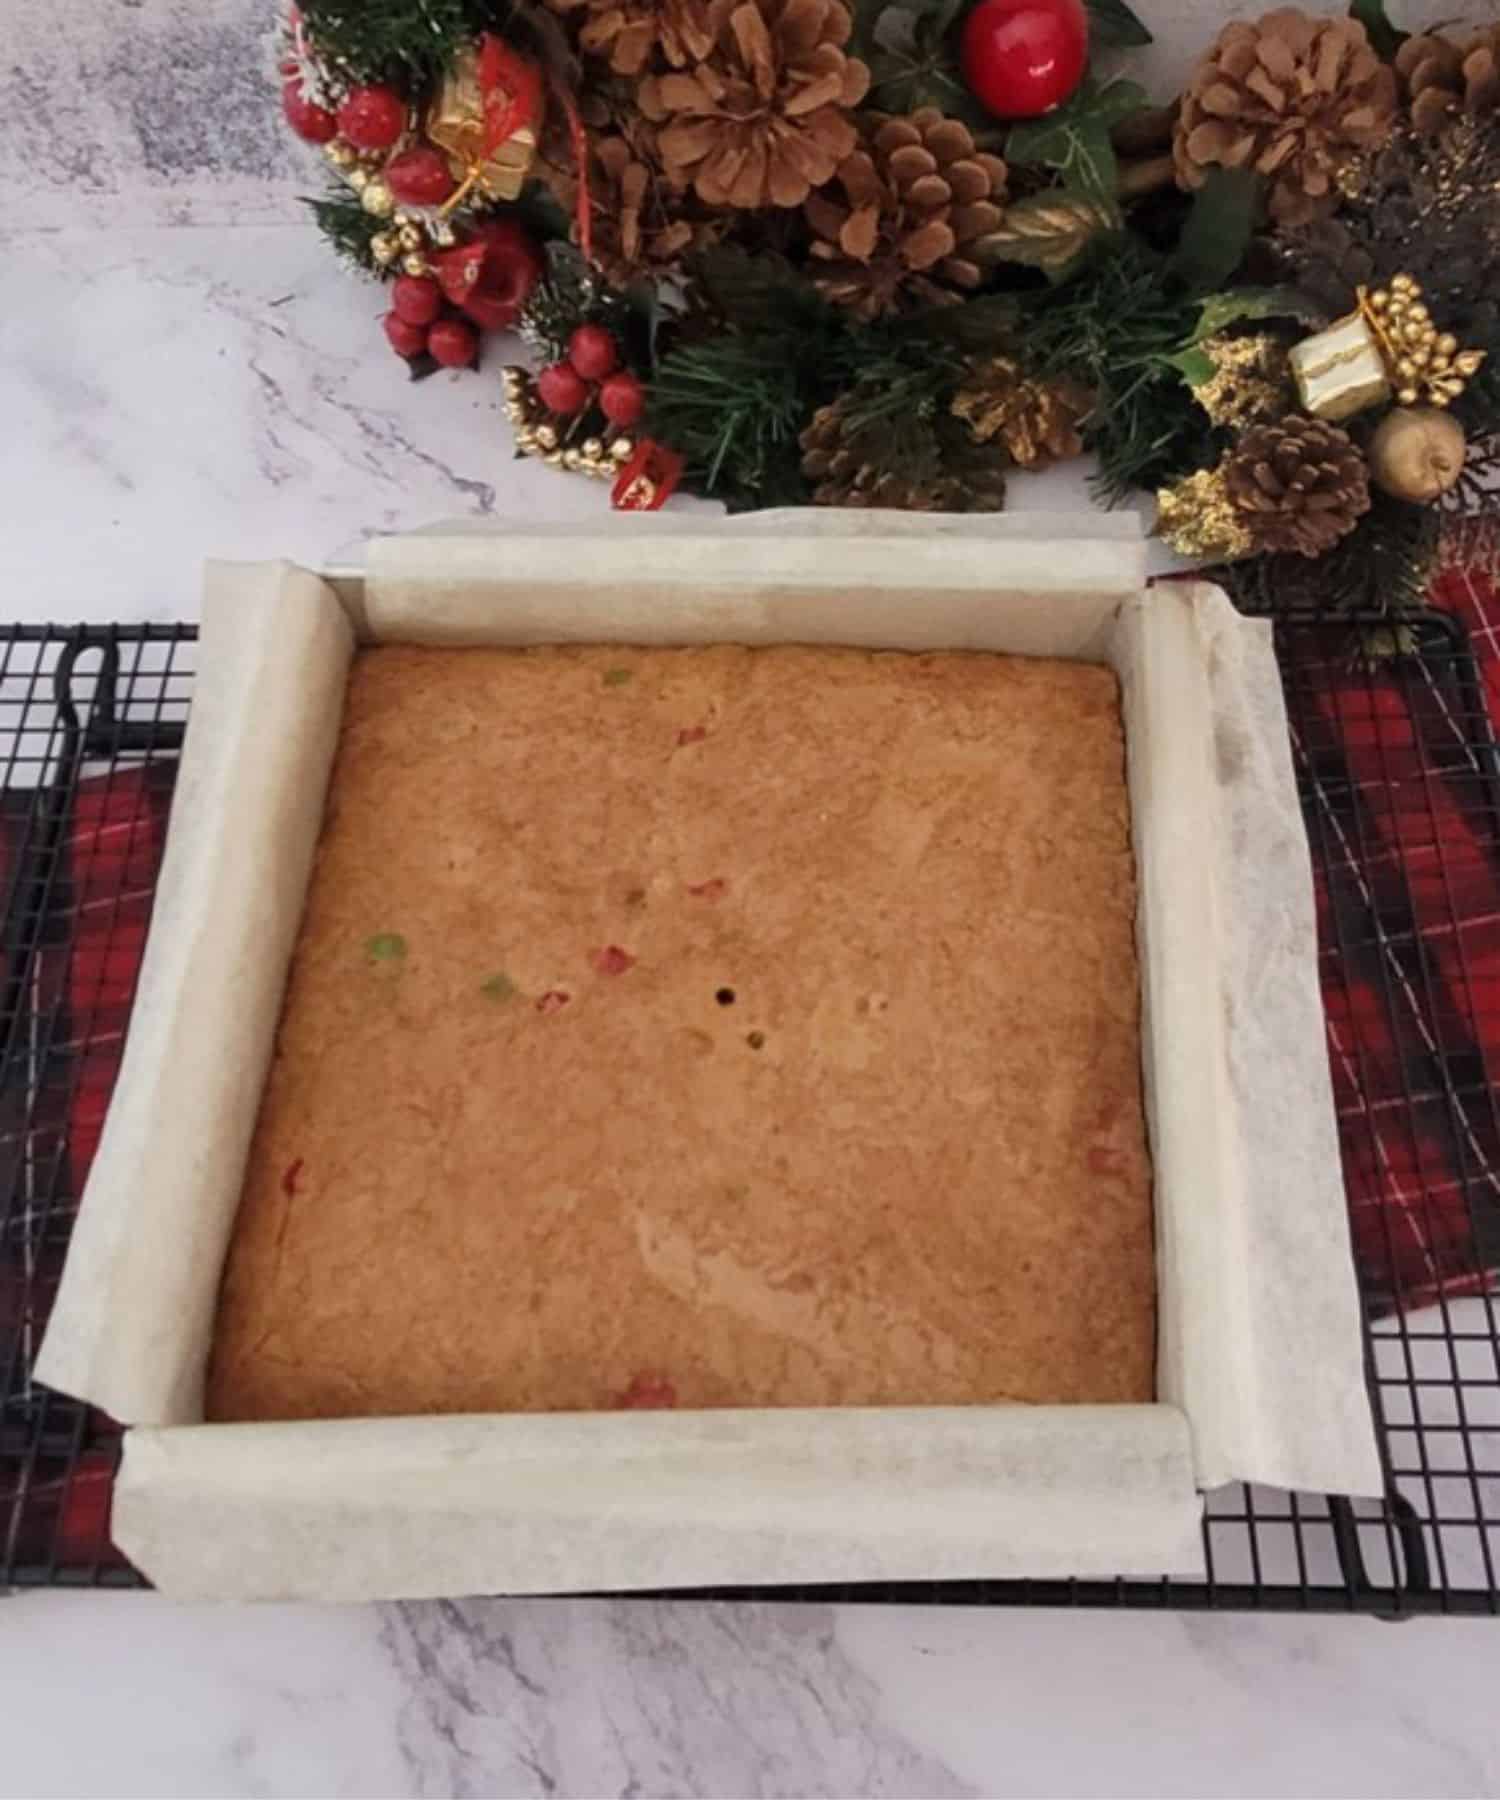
537, 433
407, 238
1425, 363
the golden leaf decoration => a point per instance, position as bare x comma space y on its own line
1047, 232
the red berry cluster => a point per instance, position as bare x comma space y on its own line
592, 374
417, 325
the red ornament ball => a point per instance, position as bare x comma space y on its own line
311, 122
593, 352
561, 389
453, 343
419, 177
372, 118
406, 338
416, 298
1020, 58
622, 399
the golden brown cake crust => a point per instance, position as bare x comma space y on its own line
733, 1027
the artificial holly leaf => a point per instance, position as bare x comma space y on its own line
1074, 138
1049, 231
1195, 366
1220, 311
1384, 36
1115, 27
1217, 233
912, 60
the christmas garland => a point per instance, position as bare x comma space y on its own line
884, 252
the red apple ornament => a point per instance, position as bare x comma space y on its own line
491, 276
419, 177
372, 117
453, 344
312, 123
1020, 58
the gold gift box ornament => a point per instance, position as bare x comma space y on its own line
1389, 346
487, 116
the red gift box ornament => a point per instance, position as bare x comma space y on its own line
648, 480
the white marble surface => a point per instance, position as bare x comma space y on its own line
183, 373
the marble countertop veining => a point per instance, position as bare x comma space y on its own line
184, 373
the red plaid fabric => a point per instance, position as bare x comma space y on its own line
94, 908
1401, 811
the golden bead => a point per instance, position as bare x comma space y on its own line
593, 449
382, 248
377, 199
1422, 355
1440, 365
340, 154
1379, 300
1447, 344
359, 179
414, 265
1407, 396
1469, 363
546, 436
622, 449
443, 233
573, 460
1406, 369
526, 440
510, 380
1396, 312
1419, 311
553, 459
1439, 398
1404, 284
402, 217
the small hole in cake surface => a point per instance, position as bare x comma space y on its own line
724, 996
756, 1040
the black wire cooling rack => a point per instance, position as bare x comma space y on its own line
1400, 787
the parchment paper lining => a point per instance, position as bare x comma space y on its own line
1260, 1373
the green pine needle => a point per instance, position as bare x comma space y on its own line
349, 229
406, 42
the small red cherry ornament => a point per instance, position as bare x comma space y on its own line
622, 399
312, 123
419, 177
453, 343
562, 390
406, 338
1020, 58
373, 117
593, 352
417, 298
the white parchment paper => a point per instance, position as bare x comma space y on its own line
1260, 1366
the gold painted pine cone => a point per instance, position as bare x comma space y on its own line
1298, 486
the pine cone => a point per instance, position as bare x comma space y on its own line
847, 468
894, 229
1441, 79
629, 32
640, 224
764, 117
1291, 97
1298, 486
1036, 421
